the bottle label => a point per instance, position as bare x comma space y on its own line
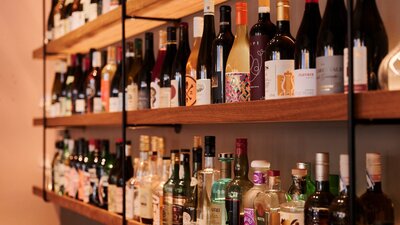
262, 217
291, 218
317, 215
165, 97
203, 92
373, 175
97, 105
258, 177
92, 11
111, 197
143, 102
68, 107
86, 186
257, 70
118, 199
80, 105
146, 202
114, 104
209, 7
249, 217
77, 20
237, 87
167, 209
57, 26
218, 214
360, 72
55, 109
105, 92
279, 79
129, 201
157, 212
174, 93
67, 25
66, 178
120, 101
132, 97
74, 183
233, 209
191, 88
155, 95
136, 202
187, 219
177, 209
62, 105
93, 176
329, 74
305, 82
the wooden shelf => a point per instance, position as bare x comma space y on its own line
106, 29
369, 106
84, 209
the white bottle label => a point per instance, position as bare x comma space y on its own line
305, 82
154, 95
329, 74
97, 105
174, 93
86, 186
165, 97
118, 199
156, 210
146, 203
106, 6
203, 92
66, 26
78, 19
279, 79
132, 97
111, 197
114, 104
58, 26
80, 105
62, 106
360, 72
92, 11
136, 202
129, 202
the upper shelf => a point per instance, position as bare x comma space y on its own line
369, 106
106, 29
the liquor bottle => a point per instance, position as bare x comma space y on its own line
204, 61
158, 196
55, 165
114, 104
107, 75
191, 65
378, 208
190, 207
93, 92
132, 79
168, 189
84, 176
166, 69
370, 46
93, 162
50, 22
59, 80
80, 168
144, 75
181, 191
310, 184
330, 45
340, 206
316, 209
93, 10
279, 67
178, 81
240, 184
103, 171
155, 78
77, 17
58, 15
121, 181
260, 168
113, 178
305, 73
80, 100
221, 47
260, 34
237, 78
297, 190
149, 184
64, 107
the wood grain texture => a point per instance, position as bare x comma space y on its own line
101, 119
84, 209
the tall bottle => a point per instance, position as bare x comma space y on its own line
80, 101
76, 85
144, 75
260, 34
132, 77
316, 209
56, 91
93, 92
191, 66
114, 104
178, 80
330, 45
50, 22
107, 75
77, 17
158, 195
58, 18
166, 70
93, 161
279, 67
204, 61
305, 73
169, 187
113, 178
181, 190
378, 208
237, 78
56, 163
220, 51
238, 187
121, 181
103, 170
155, 78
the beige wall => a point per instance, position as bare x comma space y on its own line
282, 144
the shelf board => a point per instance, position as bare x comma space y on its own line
84, 209
106, 29
100, 119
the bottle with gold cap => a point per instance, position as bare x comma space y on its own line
279, 67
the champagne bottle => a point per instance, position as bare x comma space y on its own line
144, 75
155, 78
166, 70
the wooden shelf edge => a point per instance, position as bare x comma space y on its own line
84, 209
100, 119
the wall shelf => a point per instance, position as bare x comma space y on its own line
106, 29
84, 209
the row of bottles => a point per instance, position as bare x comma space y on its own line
178, 189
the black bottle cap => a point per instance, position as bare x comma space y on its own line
183, 25
225, 13
171, 34
209, 146
197, 155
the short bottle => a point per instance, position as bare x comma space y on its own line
297, 190
310, 184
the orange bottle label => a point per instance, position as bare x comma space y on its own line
105, 94
191, 88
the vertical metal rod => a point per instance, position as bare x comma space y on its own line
123, 111
351, 120
44, 102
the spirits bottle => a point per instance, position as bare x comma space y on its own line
260, 168
158, 196
181, 190
168, 189
112, 179
297, 190
218, 211
310, 184
240, 184
206, 178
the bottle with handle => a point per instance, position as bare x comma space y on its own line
144, 75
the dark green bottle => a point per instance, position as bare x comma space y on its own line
181, 190
169, 188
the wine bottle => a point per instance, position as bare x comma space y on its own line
330, 45
77, 18
121, 181
50, 22
81, 87
115, 101
103, 169
180, 192
191, 65
67, 16
65, 103
166, 70
237, 78
132, 77
178, 81
107, 75
155, 78
221, 47
93, 10
169, 187
144, 75
58, 19
305, 72
113, 177
78, 73
260, 34
370, 46
279, 67
93, 93
58, 82
204, 61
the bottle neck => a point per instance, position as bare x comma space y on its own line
376, 187
241, 166
283, 27
166, 169
299, 183
197, 166
274, 183
225, 23
322, 186
226, 171
264, 17
208, 162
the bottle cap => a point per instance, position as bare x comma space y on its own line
183, 25
208, 7
96, 59
144, 141
322, 166
196, 141
273, 173
282, 7
225, 14
241, 13
197, 26
209, 146
299, 172
344, 169
264, 6
262, 164
241, 146
374, 168
303, 165
226, 155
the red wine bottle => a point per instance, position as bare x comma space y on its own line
93, 93
305, 72
155, 79
260, 35
222, 45
144, 75
78, 74
166, 70
178, 82
80, 101
114, 103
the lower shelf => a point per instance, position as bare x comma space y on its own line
84, 209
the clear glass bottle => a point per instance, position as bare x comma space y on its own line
260, 168
148, 186
297, 191
158, 191
310, 184
169, 187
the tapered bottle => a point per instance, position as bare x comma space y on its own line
237, 78
115, 101
80, 101
103, 169
107, 75
59, 79
76, 85
93, 161
191, 66
113, 178
221, 47
178, 81
279, 67
158, 204
305, 73
260, 34
169, 187
121, 181
132, 93
155, 78
58, 19
144, 75
65, 103
204, 61
181, 191
50, 21
93, 92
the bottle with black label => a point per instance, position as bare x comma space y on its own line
181, 190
